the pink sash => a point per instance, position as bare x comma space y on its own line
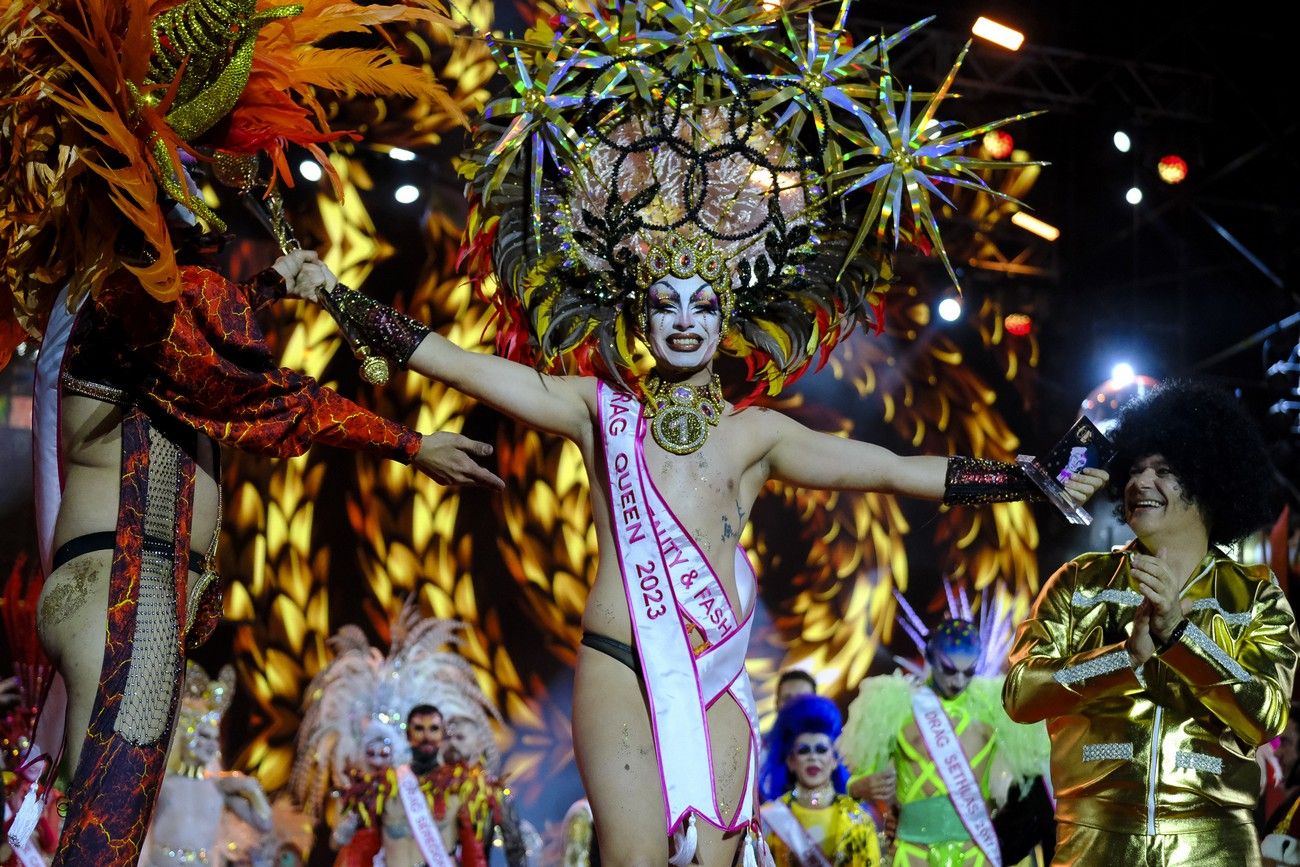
780, 820
420, 820
963, 789
670, 585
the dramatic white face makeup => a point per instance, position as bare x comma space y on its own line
812, 760
203, 744
379, 753
1155, 502
684, 323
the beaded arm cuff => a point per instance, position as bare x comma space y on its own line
367, 322
975, 481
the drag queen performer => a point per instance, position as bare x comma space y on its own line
150, 360
939, 737
666, 176
190, 823
352, 742
638, 184
808, 818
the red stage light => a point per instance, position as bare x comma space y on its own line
1018, 324
1172, 169
998, 144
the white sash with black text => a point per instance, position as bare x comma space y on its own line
953, 766
671, 590
418, 818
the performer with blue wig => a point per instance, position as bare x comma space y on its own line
807, 817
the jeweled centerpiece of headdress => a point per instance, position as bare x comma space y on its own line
754, 146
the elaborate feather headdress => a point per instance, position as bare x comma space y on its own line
992, 631
750, 130
361, 687
103, 103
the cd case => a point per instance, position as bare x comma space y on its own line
1082, 446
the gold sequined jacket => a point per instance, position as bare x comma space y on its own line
1169, 748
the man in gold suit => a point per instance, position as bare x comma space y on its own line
1161, 666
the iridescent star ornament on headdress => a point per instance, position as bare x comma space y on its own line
633, 128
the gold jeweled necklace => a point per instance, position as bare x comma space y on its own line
680, 414
818, 797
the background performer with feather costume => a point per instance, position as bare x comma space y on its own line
902, 727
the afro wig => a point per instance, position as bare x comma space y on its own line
1210, 444
807, 714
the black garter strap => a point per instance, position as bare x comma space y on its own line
106, 540
615, 649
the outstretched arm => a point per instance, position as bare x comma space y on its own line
557, 404
811, 459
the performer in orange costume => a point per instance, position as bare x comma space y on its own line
102, 239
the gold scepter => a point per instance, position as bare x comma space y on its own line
239, 171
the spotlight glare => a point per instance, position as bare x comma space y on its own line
949, 310
401, 155
1018, 324
1030, 223
1122, 374
999, 144
998, 34
1122, 141
1172, 169
310, 170
1133, 196
406, 193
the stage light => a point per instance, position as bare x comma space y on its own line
999, 144
1122, 142
1133, 196
1172, 169
998, 34
310, 170
1031, 223
949, 310
401, 155
1105, 401
1018, 324
406, 193
1123, 374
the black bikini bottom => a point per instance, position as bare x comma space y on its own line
107, 541
615, 649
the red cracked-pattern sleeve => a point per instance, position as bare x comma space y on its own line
210, 367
